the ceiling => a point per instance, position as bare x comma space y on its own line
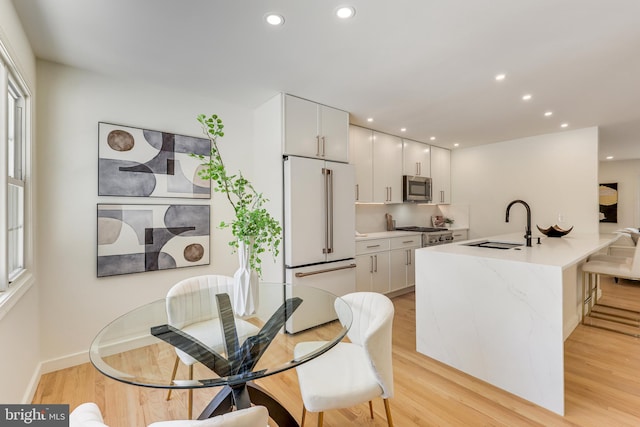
425, 65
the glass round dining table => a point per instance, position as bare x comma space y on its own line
142, 347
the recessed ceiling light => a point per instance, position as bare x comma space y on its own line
345, 12
456, 145
548, 113
274, 19
564, 125
370, 119
500, 77
433, 138
403, 129
526, 97
609, 157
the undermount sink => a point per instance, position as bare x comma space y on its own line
494, 245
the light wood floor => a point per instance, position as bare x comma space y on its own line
602, 384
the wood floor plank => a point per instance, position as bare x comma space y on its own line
602, 385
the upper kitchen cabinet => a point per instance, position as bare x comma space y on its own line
315, 130
377, 158
387, 168
361, 155
416, 158
441, 175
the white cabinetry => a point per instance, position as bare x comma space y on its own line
315, 130
386, 265
377, 158
441, 175
402, 254
460, 235
361, 155
387, 168
416, 158
372, 266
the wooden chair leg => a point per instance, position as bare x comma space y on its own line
371, 408
173, 376
304, 415
320, 419
387, 409
190, 392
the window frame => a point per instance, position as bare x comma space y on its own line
11, 289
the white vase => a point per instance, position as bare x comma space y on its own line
245, 283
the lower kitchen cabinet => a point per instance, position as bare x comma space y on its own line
372, 265
403, 271
372, 272
386, 265
460, 235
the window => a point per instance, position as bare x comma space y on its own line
15, 190
13, 177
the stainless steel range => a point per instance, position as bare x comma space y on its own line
431, 236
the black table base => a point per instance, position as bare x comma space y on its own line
243, 395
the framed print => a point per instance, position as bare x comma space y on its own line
608, 197
149, 163
138, 238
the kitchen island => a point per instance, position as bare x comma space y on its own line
501, 315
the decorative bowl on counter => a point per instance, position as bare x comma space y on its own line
554, 231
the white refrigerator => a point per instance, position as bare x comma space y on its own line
319, 235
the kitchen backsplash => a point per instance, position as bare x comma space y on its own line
371, 218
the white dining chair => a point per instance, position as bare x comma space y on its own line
192, 308
255, 416
86, 415
351, 372
89, 415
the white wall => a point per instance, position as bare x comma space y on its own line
19, 333
627, 174
77, 304
555, 174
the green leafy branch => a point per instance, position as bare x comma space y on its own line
253, 225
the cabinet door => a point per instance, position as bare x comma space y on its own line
387, 168
411, 267
361, 156
334, 134
416, 158
399, 260
364, 272
441, 174
301, 133
380, 282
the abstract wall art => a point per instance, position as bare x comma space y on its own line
138, 238
148, 163
608, 195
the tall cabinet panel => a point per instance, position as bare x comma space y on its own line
441, 175
315, 130
387, 168
416, 158
361, 156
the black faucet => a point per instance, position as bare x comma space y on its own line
527, 234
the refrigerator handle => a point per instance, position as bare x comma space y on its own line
326, 270
328, 203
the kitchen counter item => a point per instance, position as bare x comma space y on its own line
390, 222
554, 231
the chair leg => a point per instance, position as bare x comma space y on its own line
190, 392
320, 419
304, 415
371, 408
173, 376
387, 409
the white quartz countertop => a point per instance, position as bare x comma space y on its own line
553, 251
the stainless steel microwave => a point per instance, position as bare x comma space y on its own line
416, 188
